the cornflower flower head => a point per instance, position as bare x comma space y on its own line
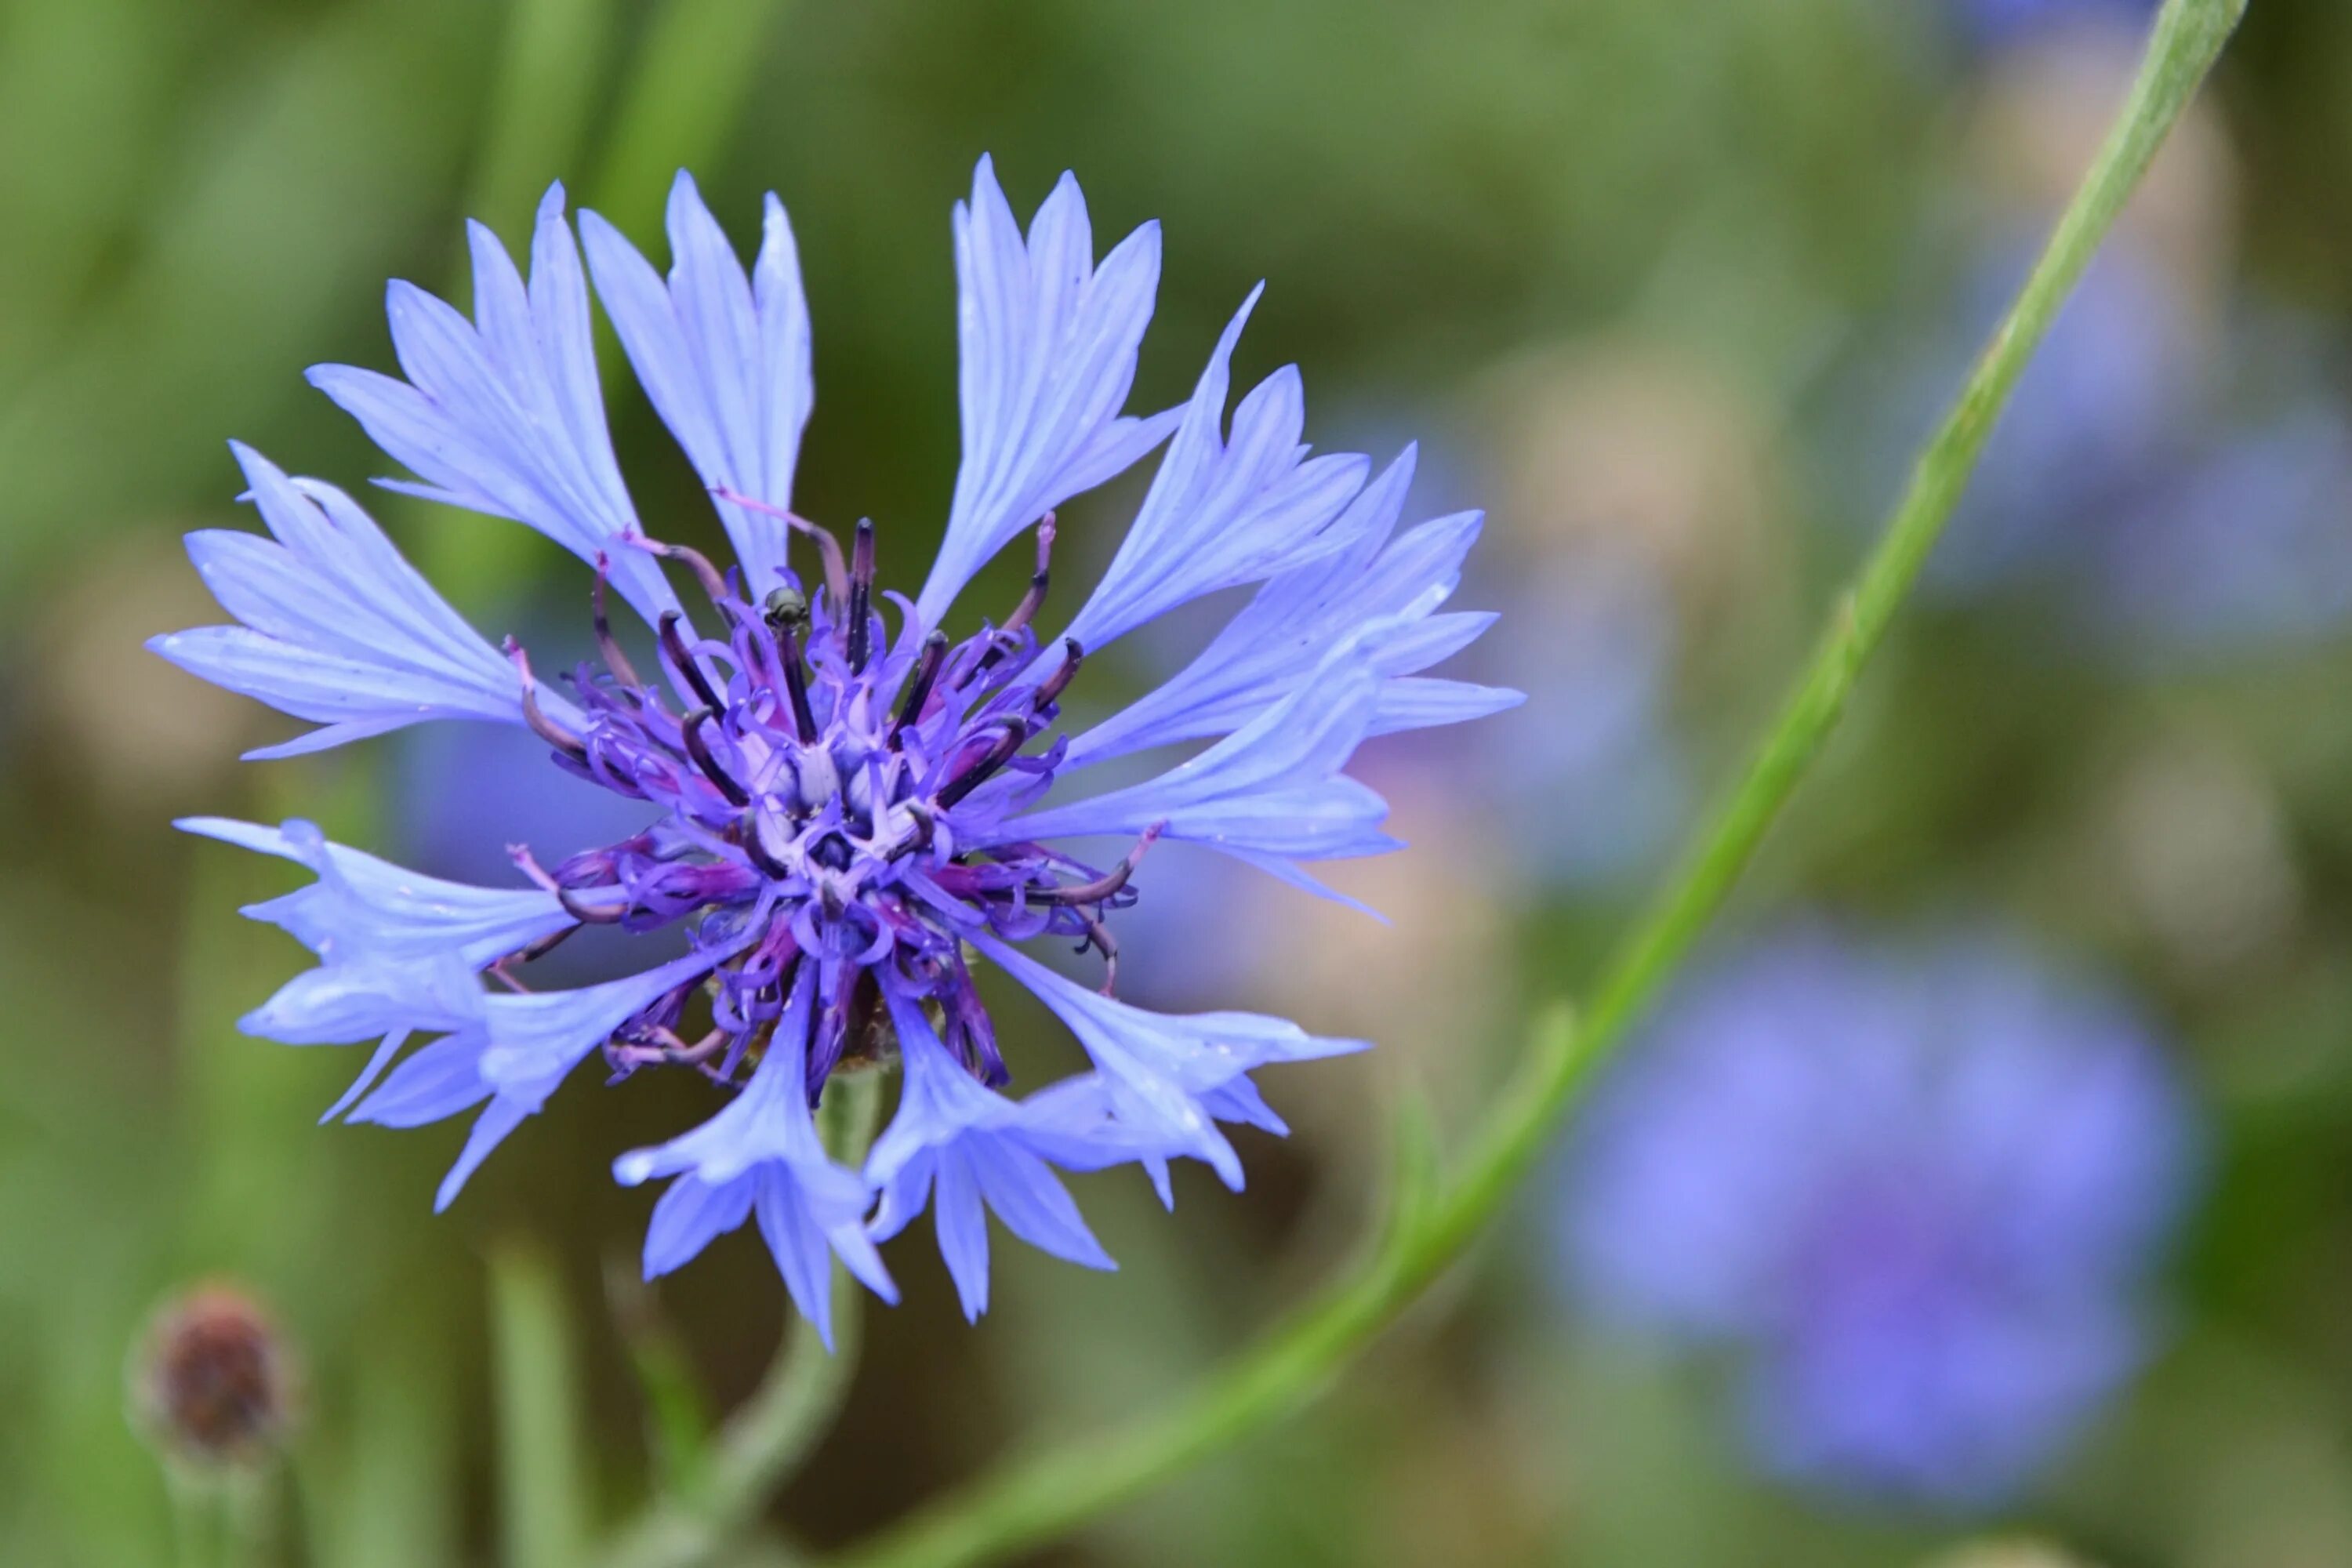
843, 808
1917, 1191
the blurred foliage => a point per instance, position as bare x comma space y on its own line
1457, 208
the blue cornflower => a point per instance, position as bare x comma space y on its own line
2178, 533
840, 816
1918, 1191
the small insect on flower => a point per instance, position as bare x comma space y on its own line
840, 813
213, 1381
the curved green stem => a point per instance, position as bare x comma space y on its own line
1041, 1498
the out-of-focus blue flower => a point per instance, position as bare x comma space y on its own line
1917, 1190
2116, 480
833, 814
1995, 24
2105, 407
2247, 547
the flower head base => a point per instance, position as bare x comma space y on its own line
842, 805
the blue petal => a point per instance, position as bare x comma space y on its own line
1158, 1069
497, 1119
377, 1061
1273, 787
962, 1225
1300, 615
337, 628
538, 1037
1221, 512
1022, 1189
503, 415
438, 1082
765, 1142
971, 1150
1075, 1124
365, 905
367, 998
398, 952
725, 358
514, 1056
1047, 343
690, 1215
1417, 702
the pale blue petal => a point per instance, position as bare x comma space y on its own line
1423, 702
809, 1208
502, 415
337, 628
377, 1061
1075, 1123
1300, 616
1273, 787
1157, 1066
361, 906
497, 1119
971, 1150
723, 356
904, 1195
1222, 511
440, 1080
1288, 871
514, 1054
343, 1003
1047, 343
538, 1037
689, 1216
398, 954
1024, 1192
963, 1232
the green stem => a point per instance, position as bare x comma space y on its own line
1040, 1499
195, 1527
792, 1409
249, 1512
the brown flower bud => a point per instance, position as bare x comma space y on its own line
213, 1381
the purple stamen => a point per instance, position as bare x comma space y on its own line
861, 594
545, 728
836, 571
682, 661
796, 689
608, 648
1050, 690
699, 749
1031, 602
918, 689
714, 583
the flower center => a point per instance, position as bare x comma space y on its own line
827, 796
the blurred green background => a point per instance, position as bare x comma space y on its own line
1668, 285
